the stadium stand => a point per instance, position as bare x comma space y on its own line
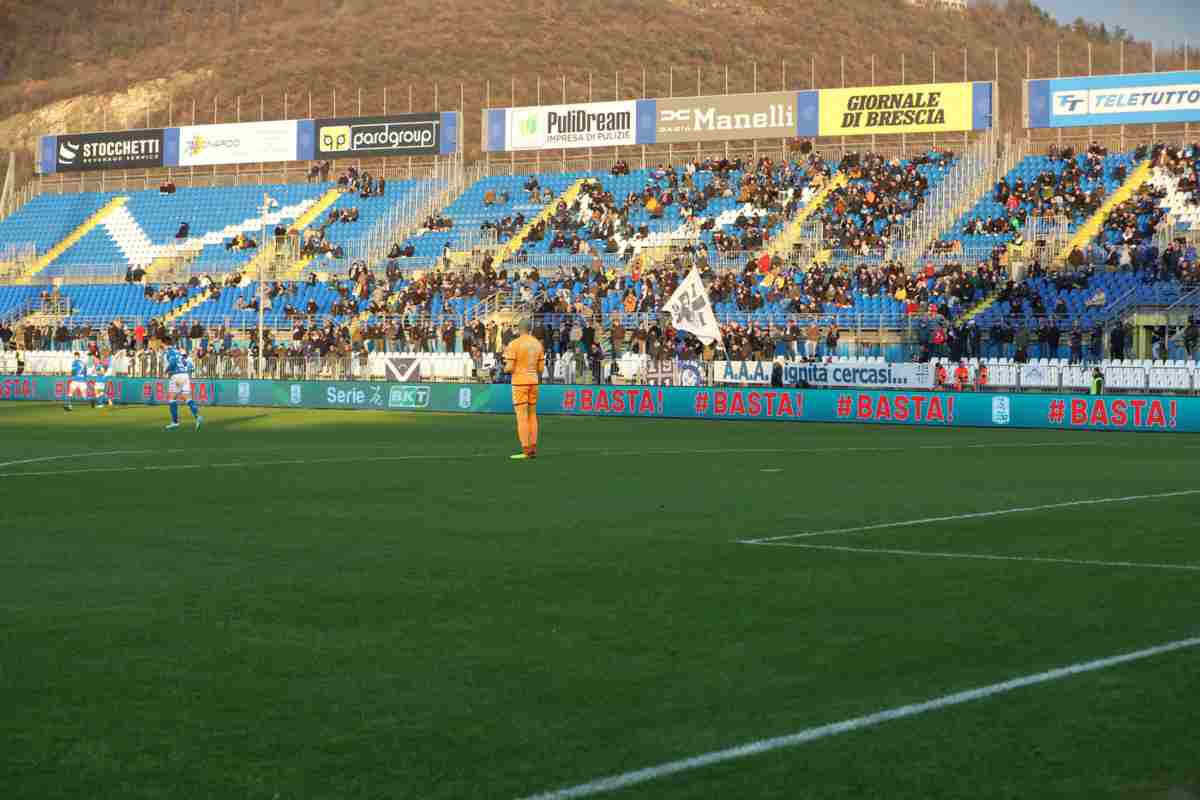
601, 251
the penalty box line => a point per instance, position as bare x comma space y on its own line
972, 515
647, 774
833, 548
780, 451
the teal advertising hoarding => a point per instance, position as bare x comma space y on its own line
1160, 413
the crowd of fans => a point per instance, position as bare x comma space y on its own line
864, 215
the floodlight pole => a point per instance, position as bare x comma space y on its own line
263, 210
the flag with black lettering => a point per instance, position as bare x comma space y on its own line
692, 311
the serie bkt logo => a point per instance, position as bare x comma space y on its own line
408, 397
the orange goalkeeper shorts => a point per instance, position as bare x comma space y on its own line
525, 395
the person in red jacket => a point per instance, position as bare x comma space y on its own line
962, 377
981, 378
940, 377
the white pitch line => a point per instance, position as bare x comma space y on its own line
458, 457
983, 556
93, 454
626, 779
973, 515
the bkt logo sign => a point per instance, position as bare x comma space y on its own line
1070, 103
408, 397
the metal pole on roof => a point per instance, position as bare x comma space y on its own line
1058, 74
1089, 51
591, 97
754, 88
933, 79
564, 102
1121, 69
643, 97
844, 86
903, 79
512, 154
873, 83
966, 134
1028, 76
1153, 68
670, 93
537, 154
1187, 126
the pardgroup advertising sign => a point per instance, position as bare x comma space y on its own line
366, 137
916, 108
240, 143
1144, 98
723, 117
84, 152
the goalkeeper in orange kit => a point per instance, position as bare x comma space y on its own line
524, 359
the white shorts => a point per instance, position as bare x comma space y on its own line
180, 384
78, 386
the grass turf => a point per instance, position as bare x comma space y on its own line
309, 604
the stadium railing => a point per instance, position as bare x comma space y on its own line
1002, 374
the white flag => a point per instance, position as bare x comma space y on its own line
691, 310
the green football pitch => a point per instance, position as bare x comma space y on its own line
307, 604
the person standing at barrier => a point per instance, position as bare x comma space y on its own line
1076, 340
525, 359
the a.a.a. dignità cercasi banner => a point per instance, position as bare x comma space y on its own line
845, 373
1163, 413
252, 142
1136, 99
908, 108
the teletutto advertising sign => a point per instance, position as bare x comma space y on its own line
915, 108
1144, 98
84, 152
240, 143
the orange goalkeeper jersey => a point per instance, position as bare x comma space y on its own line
525, 359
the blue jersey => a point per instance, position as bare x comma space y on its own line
178, 362
78, 370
